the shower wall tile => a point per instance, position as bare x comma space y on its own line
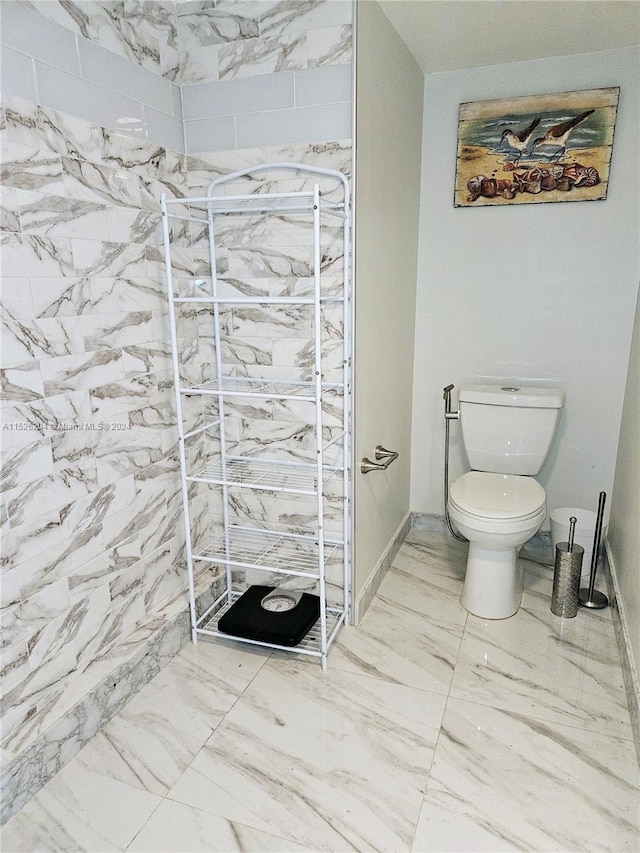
108, 63
24, 30
329, 45
318, 123
91, 505
211, 134
330, 85
18, 74
87, 490
71, 94
113, 72
226, 97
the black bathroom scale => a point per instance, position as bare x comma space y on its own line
271, 615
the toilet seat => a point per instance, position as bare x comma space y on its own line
497, 497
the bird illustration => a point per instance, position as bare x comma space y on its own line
558, 134
518, 140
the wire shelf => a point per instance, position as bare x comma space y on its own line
264, 475
242, 387
311, 644
271, 551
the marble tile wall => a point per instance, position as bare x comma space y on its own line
225, 39
112, 63
265, 73
89, 494
92, 541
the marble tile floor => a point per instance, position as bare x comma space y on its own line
432, 730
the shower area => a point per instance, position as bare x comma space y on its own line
108, 106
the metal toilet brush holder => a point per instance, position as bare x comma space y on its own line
566, 576
591, 597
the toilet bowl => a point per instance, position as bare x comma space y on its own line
507, 431
497, 513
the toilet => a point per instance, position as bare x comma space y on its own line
507, 433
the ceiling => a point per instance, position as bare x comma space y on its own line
444, 35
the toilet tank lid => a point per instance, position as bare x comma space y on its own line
529, 396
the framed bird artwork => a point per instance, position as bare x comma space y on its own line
537, 148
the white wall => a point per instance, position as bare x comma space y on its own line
624, 527
388, 139
541, 292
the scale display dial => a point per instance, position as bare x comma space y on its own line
280, 601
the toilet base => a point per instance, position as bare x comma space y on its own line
493, 582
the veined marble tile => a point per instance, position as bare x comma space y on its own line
250, 57
206, 23
104, 331
28, 168
120, 453
128, 225
399, 645
80, 810
16, 297
305, 16
25, 706
14, 666
71, 297
206, 167
39, 339
33, 537
81, 371
118, 397
336, 155
504, 781
51, 492
99, 184
100, 571
174, 827
24, 422
255, 322
242, 351
68, 627
58, 561
329, 46
120, 621
9, 220
25, 465
55, 215
435, 597
152, 357
20, 623
102, 259
559, 670
442, 556
122, 525
35, 256
162, 574
198, 64
307, 755
92, 510
146, 745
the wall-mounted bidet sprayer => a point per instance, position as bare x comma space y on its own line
448, 416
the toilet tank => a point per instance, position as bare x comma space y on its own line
509, 430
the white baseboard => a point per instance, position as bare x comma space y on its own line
381, 568
627, 659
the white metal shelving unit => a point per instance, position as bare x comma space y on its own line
289, 554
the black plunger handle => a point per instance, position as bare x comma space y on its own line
596, 543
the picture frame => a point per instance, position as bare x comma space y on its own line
536, 148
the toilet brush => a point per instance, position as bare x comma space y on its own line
566, 576
591, 597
